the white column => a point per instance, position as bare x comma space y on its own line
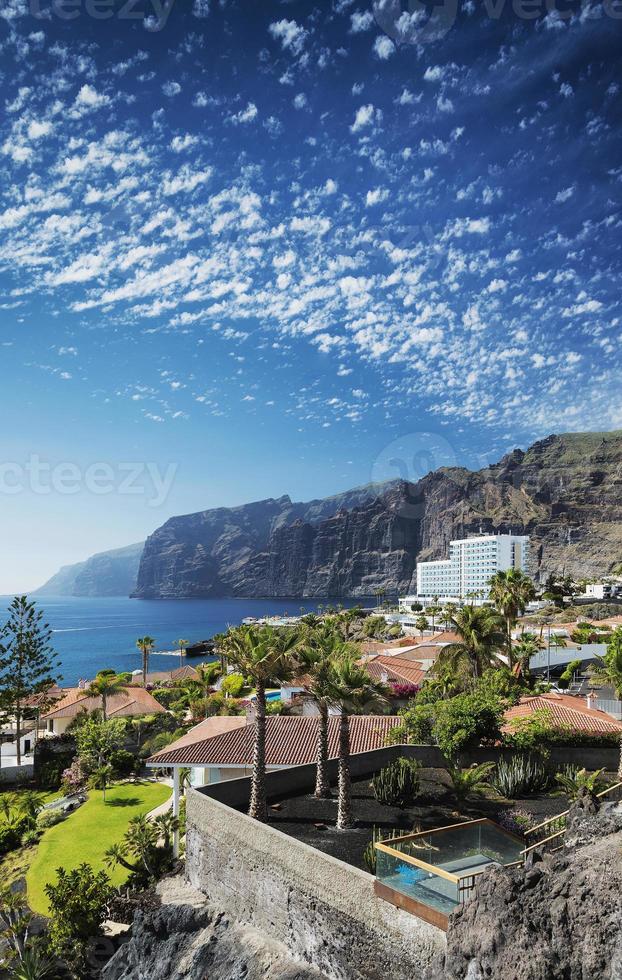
176, 810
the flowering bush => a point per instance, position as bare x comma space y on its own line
404, 690
74, 778
516, 821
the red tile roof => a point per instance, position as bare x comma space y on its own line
396, 669
290, 741
132, 702
566, 711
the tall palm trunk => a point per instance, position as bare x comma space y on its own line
344, 806
509, 642
322, 784
257, 806
104, 707
145, 665
620, 763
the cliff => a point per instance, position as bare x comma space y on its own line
564, 492
110, 573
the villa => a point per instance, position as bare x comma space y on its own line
130, 703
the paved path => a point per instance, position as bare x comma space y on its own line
163, 807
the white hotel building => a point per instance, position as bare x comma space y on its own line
467, 572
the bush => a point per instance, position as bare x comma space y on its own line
466, 720
78, 907
520, 775
123, 763
398, 783
11, 834
232, 685
404, 691
49, 818
30, 838
516, 821
74, 778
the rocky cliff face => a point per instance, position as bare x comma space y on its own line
111, 573
565, 492
560, 919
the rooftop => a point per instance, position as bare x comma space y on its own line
290, 741
567, 711
133, 701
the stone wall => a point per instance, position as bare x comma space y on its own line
323, 910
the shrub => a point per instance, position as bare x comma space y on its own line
78, 907
30, 838
520, 775
49, 818
74, 778
516, 821
123, 763
572, 785
11, 834
398, 783
464, 721
468, 781
404, 691
232, 685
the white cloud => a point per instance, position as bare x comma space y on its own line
364, 117
383, 47
247, 115
376, 196
180, 143
564, 195
171, 89
361, 21
300, 101
291, 35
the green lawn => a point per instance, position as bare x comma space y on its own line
87, 834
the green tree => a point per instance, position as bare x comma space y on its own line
145, 644
232, 685
610, 665
266, 655
527, 647
354, 692
97, 741
27, 661
511, 590
23, 953
482, 637
147, 848
181, 646
105, 686
78, 904
464, 721
422, 624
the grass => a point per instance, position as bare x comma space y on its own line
86, 835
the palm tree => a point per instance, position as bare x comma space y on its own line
527, 647
422, 624
145, 644
468, 781
354, 692
265, 654
482, 636
511, 590
104, 686
181, 646
320, 648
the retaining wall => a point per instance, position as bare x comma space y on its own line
323, 910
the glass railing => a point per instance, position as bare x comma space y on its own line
439, 868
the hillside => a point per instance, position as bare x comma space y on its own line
110, 573
564, 492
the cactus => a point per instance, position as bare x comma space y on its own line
378, 834
398, 783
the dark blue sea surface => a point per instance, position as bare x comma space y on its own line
91, 634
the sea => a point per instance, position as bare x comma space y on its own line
92, 634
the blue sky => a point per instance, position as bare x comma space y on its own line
289, 248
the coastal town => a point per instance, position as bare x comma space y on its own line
483, 702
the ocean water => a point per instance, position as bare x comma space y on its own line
92, 634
